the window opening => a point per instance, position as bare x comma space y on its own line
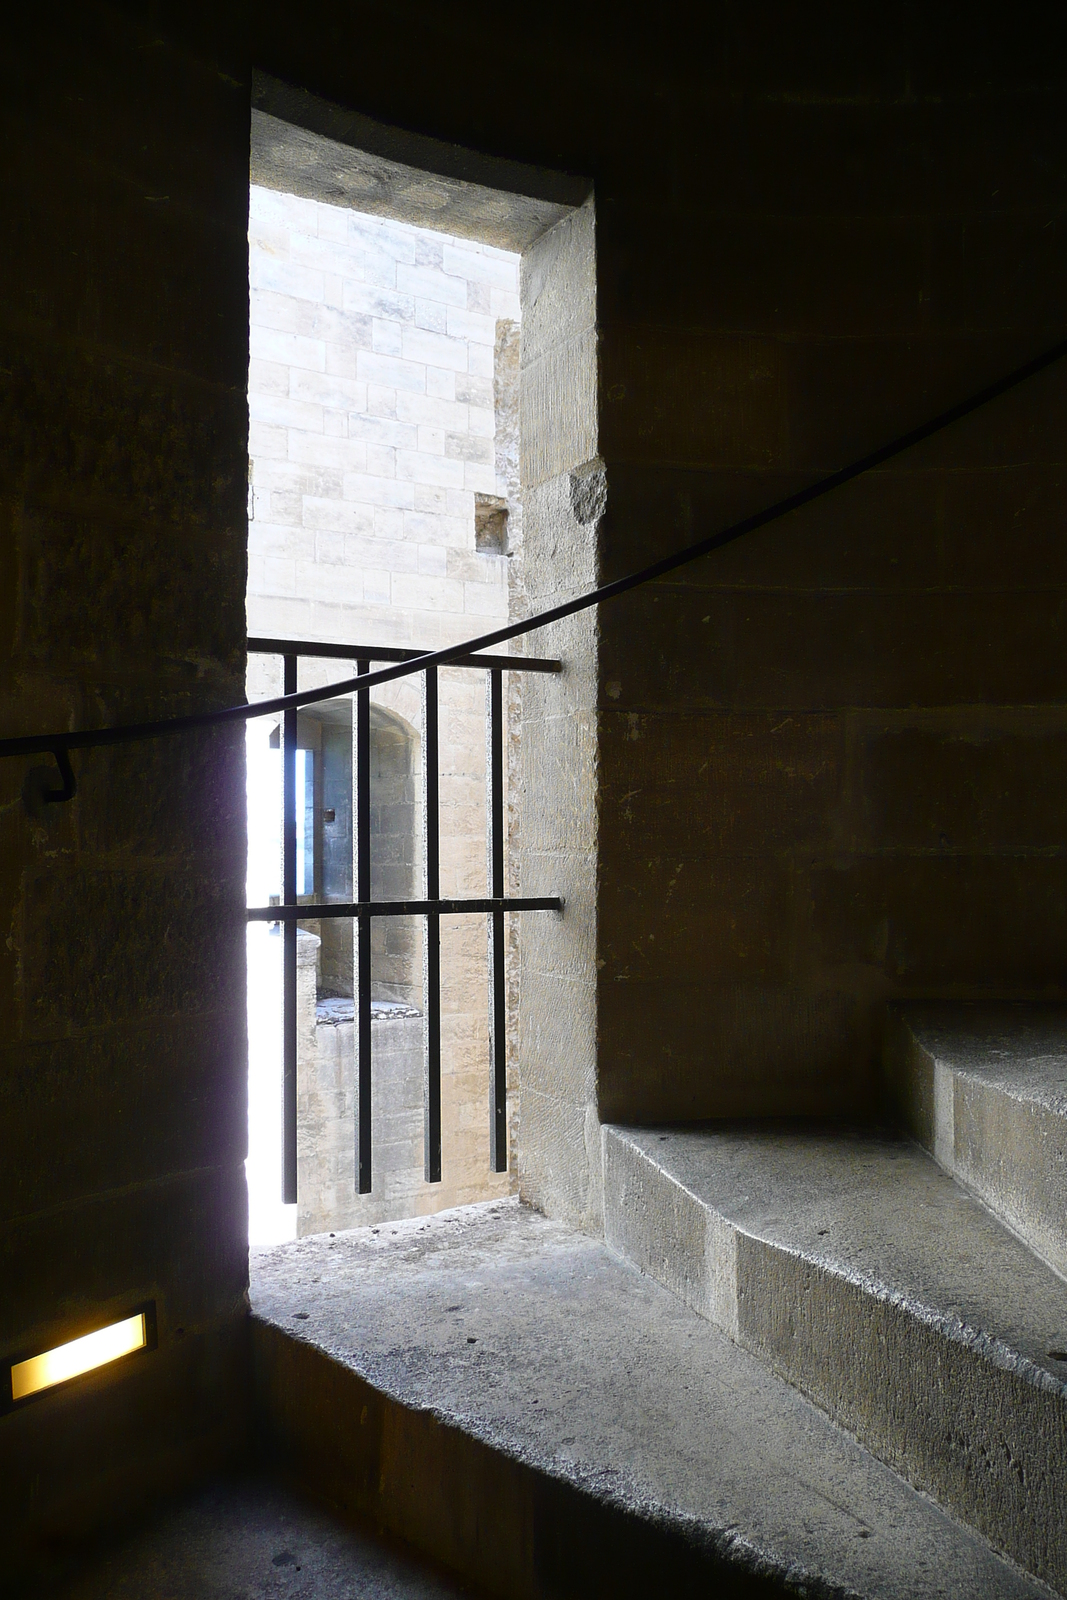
384, 507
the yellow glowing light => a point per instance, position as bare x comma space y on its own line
80, 1355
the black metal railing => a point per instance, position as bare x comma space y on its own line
403, 663
364, 907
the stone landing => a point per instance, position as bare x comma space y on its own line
511, 1397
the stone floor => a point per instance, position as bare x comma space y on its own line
251, 1539
578, 1375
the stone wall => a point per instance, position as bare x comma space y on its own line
372, 427
122, 567
811, 234
829, 761
381, 357
327, 1194
564, 497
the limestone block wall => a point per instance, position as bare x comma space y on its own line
122, 569
565, 495
326, 1158
829, 773
327, 1196
381, 393
827, 759
829, 763
372, 426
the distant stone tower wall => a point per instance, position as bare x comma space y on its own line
384, 508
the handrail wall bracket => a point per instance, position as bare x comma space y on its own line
38, 787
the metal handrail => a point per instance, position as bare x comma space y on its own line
315, 911
362, 908
61, 743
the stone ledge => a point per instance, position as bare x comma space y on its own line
503, 1393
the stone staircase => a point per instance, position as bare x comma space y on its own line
912, 1290
984, 1090
805, 1361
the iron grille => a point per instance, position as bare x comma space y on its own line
432, 908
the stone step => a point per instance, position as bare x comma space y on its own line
241, 1537
866, 1277
507, 1395
984, 1089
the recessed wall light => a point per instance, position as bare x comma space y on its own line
32, 1375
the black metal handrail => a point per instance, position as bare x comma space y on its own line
382, 652
468, 653
87, 739
314, 912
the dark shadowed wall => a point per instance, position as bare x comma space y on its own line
123, 321
831, 757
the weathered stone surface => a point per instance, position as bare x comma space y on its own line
907, 526
1001, 781
984, 1088
558, 379
159, 1097
693, 397
832, 651
181, 934
881, 1290
872, 275
124, 335
763, 783
503, 1393
971, 923
248, 1535
564, 495
179, 1238
137, 799
694, 1049
306, 146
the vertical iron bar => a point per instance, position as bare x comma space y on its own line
363, 979
498, 1111
432, 964
289, 736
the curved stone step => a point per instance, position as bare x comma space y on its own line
984, 1089
868, 1279
507, 1395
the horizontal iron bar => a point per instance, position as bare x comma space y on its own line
402, 908
91, 738
377, 652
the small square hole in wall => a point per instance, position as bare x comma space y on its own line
490, 524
